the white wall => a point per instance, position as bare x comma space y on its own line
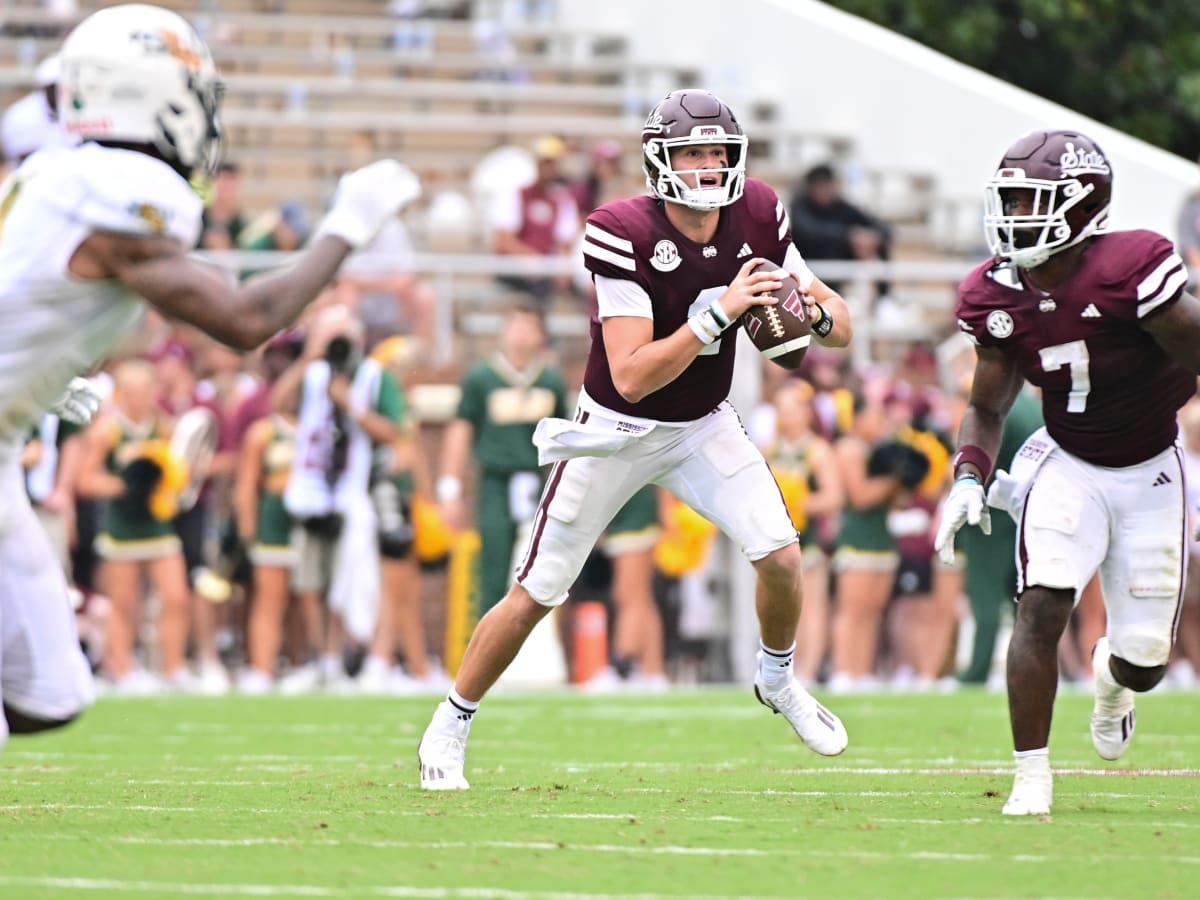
904, 106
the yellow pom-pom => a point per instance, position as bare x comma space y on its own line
432, 537
164, 499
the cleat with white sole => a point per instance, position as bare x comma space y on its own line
819, 729
443, 754
1032, 794
1113, 717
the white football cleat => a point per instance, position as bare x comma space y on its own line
819, 729
1113, 717
1032, 793
443, 754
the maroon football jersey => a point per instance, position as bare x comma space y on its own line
1109, 392
633, 240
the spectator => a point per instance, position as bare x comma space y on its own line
285, 228
605, 179
346, 405
637, 632
264, 526
865, 556
389, 298
178, 396
398, 474
503, 399
827, 226
123, 464
803, 465
536, 221
222, 222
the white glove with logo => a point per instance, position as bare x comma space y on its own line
966, 505
78, 403
366, 198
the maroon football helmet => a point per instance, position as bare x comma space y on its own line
692, 117
1064, 182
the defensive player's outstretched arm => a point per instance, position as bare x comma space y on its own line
996, 384
190, 290
1177, 330
159, 269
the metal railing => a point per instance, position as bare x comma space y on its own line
456, 279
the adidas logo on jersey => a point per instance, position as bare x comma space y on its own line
1090, 312
1162, 478
745, 251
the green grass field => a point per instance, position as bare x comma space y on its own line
693, 794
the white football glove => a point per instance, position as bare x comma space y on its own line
966, 505
78, 403
366, 198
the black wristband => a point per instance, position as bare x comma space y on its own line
823, 325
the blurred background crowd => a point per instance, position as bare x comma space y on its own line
335, 510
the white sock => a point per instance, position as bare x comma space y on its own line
459, 709
1107, 687
775, 666
1029, 761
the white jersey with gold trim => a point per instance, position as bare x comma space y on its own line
56, 325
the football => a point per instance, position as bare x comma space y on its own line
780, 332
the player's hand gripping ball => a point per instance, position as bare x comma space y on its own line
781, 332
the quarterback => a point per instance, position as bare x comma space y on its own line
672, 271
1100, 322
90, 234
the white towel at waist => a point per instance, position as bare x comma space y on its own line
559, 439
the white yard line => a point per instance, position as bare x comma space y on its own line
630, 849
109, 885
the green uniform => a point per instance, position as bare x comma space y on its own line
273, 526
636, 526
863, 540
991, 573
126, 534
504, 406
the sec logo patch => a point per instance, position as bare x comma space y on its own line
999, 324
666, 256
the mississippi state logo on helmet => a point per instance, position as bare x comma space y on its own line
1051, 190
693, 117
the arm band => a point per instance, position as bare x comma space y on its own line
704, 325
719, 314
824, 324
969, 453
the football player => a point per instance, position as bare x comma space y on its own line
87, 233
673, 271
1100, 322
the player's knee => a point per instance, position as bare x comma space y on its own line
781, 566
522, 605
1136, 678
23, 723
1044, 612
